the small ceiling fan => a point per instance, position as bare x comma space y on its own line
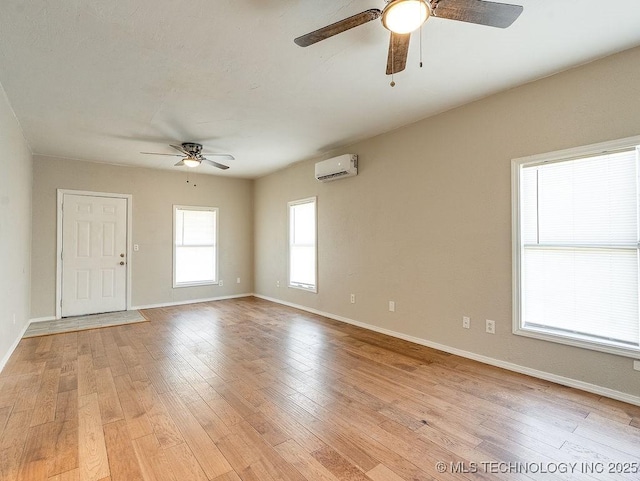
401, 17
192, 155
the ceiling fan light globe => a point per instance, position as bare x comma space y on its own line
405, 16
191, 162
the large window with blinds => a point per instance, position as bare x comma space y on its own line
576, 247
195, 250
302, 244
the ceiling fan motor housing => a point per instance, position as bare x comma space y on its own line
194, 149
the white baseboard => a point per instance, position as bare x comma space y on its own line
192, 301
547, 376
5, 359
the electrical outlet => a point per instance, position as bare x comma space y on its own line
238, 280
636, 364
136, 247
353, 298
392, 306
277, 283
221, 283
466, 322
491, 326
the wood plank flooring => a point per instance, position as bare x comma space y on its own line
249, 390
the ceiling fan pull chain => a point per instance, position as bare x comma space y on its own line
393, 61
421, 46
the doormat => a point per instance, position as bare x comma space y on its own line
81, 323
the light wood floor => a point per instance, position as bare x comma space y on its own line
246, 389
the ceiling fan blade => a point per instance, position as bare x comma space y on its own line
338, 27
179, 164
492, 14
158, 153
223, 156
398, 50
216, 164
180, 149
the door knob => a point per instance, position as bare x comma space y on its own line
121, 255
121, 263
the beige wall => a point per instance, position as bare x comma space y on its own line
15, 229
427, 222
154, 194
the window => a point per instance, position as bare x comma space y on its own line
302, 244
195, 252
576, 247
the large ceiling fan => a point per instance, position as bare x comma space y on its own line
192, 155
401, 17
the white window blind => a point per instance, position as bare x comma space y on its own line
302, 244
195, 256
579, 248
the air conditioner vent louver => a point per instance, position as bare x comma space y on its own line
333, 176
337, 168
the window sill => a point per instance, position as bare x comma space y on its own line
196, 284
313, 289
577, 341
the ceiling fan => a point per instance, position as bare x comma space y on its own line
192, 155
401, 17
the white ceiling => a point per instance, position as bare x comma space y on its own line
103, 80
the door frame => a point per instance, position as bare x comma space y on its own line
60, 200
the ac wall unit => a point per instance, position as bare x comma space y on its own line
337, 168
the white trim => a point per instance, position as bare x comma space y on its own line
547, 376
515, 246
550, 157
577, 152
13, 347
60, 199
216, 280
297, 285
303, 287
576, 341
192, 301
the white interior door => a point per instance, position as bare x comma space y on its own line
94, 247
